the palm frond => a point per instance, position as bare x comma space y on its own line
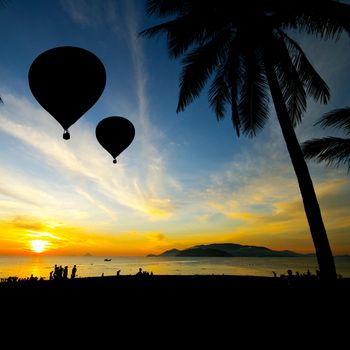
162, 8
198, 66
178, 39
326, 19
236, 121
222, 93
315, 86
332, 150
184, 32
159, 29
233, 68
219, 93
293, 90
224, 88
339, 118
254, 96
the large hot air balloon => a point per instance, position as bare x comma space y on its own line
67, 81
115, 134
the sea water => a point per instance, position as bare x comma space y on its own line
91, 266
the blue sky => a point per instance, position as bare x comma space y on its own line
186, 178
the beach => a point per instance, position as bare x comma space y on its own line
200, 309
195, 289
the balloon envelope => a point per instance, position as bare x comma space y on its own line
67, 81
115, 134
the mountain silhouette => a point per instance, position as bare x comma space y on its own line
227, 250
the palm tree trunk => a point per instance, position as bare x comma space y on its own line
313, 213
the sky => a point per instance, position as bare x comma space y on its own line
186, 179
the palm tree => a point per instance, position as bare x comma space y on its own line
332, 150
244, 47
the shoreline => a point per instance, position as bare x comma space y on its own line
175, 282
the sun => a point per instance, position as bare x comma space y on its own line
38, 245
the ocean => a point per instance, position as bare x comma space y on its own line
92, 266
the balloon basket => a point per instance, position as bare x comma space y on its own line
66, 135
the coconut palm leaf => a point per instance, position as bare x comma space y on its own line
219, 93
198, 66
326, 19
332, 150
339, 118
292, 88
253, 105
178, 40
225, 86
315, 86
165, 7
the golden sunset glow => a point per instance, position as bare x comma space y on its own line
185, 180
38, 245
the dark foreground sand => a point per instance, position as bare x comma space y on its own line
194, 290
210, 311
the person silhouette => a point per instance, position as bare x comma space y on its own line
74, 271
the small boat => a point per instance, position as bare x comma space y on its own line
108, 259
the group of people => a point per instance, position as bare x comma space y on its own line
144, 273
298, 278
60, 272
306, 275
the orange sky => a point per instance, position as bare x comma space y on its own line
186, 179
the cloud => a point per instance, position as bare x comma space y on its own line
21, 222
36, 234
251, 196
155, 236
76, 161
143, 186
94, 14
79, 10
256, 197
76, 179
97, 203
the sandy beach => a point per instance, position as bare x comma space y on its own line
215, 308
231, 291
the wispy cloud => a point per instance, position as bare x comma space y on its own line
73, 191
91, 13
256, 197
80, 161
80, 11
152, 184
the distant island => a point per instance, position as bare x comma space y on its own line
227, 250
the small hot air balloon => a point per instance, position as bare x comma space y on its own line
67, 81
115, 134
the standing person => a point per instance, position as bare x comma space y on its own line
55, 273
74, 272
65, 272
